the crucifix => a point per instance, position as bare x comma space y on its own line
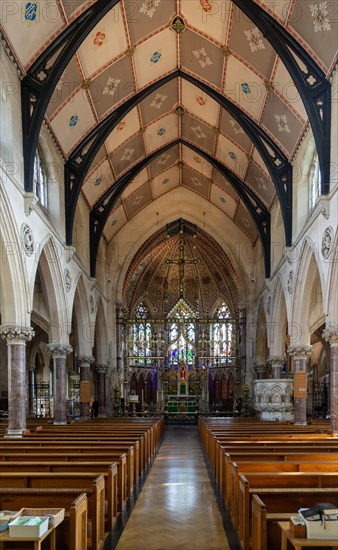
181, 261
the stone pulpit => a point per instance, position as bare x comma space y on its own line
273, 399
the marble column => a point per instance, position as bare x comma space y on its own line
276, 362
331, 336
16, 337
260, 369
300, 356
101, 372
84, 363
59, 353
31, 389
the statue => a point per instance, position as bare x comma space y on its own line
183, 374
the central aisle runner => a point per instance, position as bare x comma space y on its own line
176, 509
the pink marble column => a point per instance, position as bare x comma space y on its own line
276, 362
331, 336
102, 371
84, 362
59, 353
300, 356
16, 337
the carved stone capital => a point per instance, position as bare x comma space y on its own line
85, 360
16, 334
299, 352
276, 360
59, 350
101, 368
330, 334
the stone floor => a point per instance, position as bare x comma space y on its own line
177, 507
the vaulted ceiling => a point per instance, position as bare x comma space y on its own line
145, 96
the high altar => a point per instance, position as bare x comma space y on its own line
184, 401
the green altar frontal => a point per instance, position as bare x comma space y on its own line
185, 405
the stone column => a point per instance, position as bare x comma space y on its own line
102, 371
300, 356
84, 362
59, 353
260, 369
331, 336
276, 362
31, 388
16, 337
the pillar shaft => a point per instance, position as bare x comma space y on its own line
300, 356
331, 336
276, 362
59, 354
101, 372
16, 337
85, 362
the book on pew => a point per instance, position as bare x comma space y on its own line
327, 510
310, 514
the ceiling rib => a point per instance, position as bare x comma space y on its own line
101, 210
277, 163
313, 87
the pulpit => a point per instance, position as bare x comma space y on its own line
273, 399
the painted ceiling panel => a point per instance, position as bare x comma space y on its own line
161, 132
112, 85
126, 128
245, 222
164, 161
155, 57
29, 25
224, 184
71, 6
70, 80
250, 45
165, 181
201, 57
262, 185
243, 87
281, 122
284, 86
127, 155
317, 24
210, 17
159, 102
107, 41
117, 219
196, 182
223, 201
144, 18
199, 103
138, 200
198, 133
280, 8
74, 120
230, 127
140, 179
98, 182
232, 156
196, 162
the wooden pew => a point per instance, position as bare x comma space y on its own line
262, 483
72, 532
109, 471
265, 533
70, 482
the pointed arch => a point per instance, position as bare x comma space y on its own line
279, 319
331, 298
14, 288
100, 335
84, 329
261, 348
309, 273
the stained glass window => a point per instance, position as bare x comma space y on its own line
141, 333
222, 336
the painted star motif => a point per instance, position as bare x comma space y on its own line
137, 200
254, 39
198, 132
163, 159
261, 183
202, 57
320, 14
111, 86
196, 181
128, 153
158, 100
237, 128
148, 8
246, 221
282, 123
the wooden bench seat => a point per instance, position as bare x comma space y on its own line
72, 532
297, 483
71, 482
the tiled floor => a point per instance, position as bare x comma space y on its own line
176, 508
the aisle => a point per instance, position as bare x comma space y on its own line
176, 508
